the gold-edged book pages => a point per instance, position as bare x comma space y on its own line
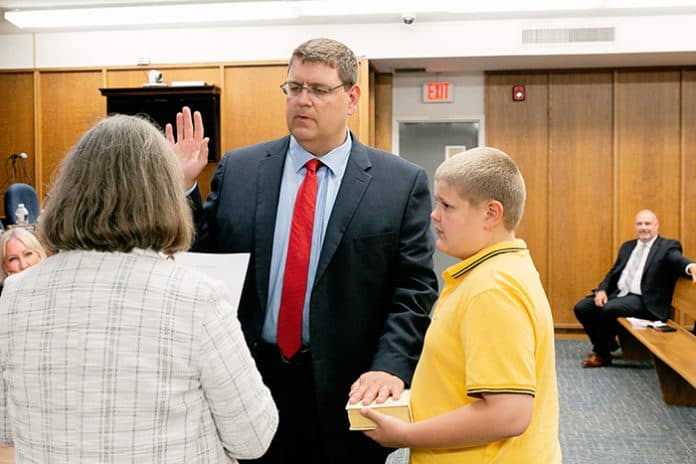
400, 409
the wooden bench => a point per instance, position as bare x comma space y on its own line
673, 353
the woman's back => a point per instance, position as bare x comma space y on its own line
114, 357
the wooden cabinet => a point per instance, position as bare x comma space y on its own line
161, 103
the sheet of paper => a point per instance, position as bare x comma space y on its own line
230, 268
643, 323
638, 323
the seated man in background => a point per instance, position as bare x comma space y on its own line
19, 249
639, 284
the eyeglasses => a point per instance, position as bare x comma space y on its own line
318, 91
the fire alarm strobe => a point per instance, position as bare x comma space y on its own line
518, 93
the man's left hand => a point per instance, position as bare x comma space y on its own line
691, 270
375, 385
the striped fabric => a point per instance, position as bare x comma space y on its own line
484, 258
127, 357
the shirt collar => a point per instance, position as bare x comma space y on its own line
458, 270
648, 244
335, 160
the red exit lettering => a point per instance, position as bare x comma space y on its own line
437, 92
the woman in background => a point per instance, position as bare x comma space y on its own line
111, 351
19, 249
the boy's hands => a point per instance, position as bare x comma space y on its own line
377, 386
390, 432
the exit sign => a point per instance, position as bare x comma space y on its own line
438, 92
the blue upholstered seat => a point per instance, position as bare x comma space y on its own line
21, 193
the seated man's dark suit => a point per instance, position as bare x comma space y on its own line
663, 267
374, 287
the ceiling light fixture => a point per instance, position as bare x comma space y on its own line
111, 14
151, 15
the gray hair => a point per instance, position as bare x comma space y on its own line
119, 188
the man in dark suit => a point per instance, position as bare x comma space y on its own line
367, 283
639, 284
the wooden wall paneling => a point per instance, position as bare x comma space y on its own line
372, 105
16, 129
38, 141
70, 104
688, 170
688, 163
383, 92
580, 187
359, 123
647, 149
137, 77
521, 130
253, 109
254, 105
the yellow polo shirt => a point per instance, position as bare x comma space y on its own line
491, 332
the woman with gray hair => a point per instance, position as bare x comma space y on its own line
19, 249
111, 351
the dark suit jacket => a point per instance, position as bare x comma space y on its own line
663, 267
374, 286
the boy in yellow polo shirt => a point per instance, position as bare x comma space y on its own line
484, 390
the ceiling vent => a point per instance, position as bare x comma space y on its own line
581, 34
409, 70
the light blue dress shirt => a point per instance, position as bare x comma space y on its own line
329, 177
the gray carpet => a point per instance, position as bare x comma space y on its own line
614, 415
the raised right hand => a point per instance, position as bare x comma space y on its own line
190, 146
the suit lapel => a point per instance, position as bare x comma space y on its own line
270, 174
654, 249
353, 187
627, 255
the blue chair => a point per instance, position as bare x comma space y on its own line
21, 193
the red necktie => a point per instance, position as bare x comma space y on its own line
297, 264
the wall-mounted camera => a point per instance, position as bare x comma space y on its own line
154, 79
408, 18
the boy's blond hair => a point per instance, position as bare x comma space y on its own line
483, 174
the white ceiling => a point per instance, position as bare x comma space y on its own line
484, 11
79, 3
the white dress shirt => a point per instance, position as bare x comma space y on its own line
329, 177
630, 282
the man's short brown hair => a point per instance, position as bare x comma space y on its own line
332, 53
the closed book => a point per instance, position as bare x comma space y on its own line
400, 409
